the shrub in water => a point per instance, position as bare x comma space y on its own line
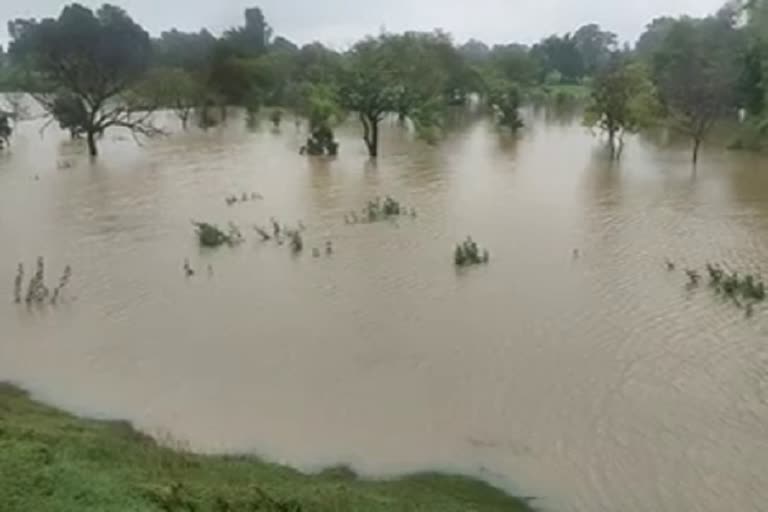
210, 235
468, 253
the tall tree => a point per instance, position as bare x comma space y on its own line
188, 51
595, 46
406, 74
515, 62
652, 40
697, 71
475, 51
254, 37
283, 45
560, 55
757, 27
93, 60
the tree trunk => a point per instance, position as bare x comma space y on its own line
612, 141
696, 147
371, 134
92, 149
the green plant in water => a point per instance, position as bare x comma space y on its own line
716, 274
18, 283
37, 291
377, 210
297, 243
750, 288
63, 282
210, 235
468, 253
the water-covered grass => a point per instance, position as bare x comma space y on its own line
57, 462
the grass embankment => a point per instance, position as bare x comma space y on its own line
53, 461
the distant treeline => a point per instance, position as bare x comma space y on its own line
94, 70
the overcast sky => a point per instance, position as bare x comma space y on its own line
340, 22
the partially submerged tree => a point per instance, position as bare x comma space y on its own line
697, 70
5, 129
413, 75
371, 88
90, 62
622, 100
173, 89
320, 106
503, 96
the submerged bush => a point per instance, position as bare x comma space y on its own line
297, 243
37, 291
210, 235
378, 210
468, 253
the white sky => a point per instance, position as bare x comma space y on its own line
340, 22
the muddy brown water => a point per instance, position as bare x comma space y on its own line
598, 383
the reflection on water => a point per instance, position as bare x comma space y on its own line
600, 383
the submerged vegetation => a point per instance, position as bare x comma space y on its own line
377, 210
744, 290
468, 253
210, 235
747, 287
37, 290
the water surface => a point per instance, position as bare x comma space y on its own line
599, 384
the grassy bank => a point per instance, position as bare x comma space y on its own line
53, 461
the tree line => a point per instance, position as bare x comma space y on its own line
95, 70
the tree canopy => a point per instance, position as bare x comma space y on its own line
697, 69
85, 60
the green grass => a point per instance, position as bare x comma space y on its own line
51, 461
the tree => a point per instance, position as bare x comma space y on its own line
174, 89
71, 113
254, 37
595, 47
622, 100
371, 87
316, 63
415, 75
475, 51
652, 40
757, 29
90, 61
696, 72
182, 50
228, 74
320, 105
504, 97
281, 44
5, 129
515, 62
560, 54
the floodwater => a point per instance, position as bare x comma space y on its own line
596, 383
